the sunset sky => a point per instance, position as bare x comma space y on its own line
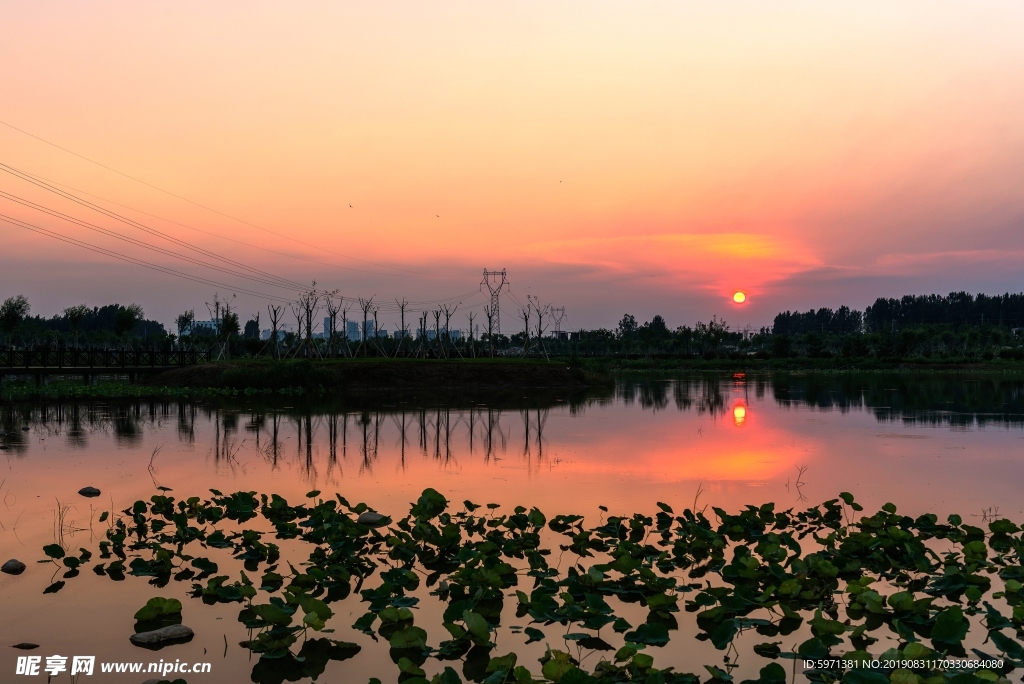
651, 157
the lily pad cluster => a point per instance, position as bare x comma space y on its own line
867, 598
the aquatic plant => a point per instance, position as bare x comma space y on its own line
844, 582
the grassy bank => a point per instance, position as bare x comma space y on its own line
605, 365
371, 375
469, 380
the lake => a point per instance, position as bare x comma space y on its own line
925, 442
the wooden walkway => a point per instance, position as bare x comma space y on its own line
92, 362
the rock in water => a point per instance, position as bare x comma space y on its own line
371, 518
25, 646
89, 492
165, 636
13, 567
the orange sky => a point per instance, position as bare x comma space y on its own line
649, 157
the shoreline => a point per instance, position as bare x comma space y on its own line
422, 381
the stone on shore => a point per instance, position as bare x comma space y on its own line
165, 636
371, 518
89, 492
13, 567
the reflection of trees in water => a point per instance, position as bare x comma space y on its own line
701, 394
77, 422
438, 434
934, 399
956, 400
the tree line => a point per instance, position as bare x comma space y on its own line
78, 326
959, 327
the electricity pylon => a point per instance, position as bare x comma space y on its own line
558, 315
495, 291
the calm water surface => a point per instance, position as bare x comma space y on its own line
926, 443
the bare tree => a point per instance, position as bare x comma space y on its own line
437, 332
447, 323
365, 305
422, 333
489, 313
275, 319
542, 311
344, 326
228, 328
216, 314
333, 307
401, 308
376, 330
297, 312
526, 314
472, 341
309, 304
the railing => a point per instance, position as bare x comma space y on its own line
99, 358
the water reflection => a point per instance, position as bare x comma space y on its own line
955, 400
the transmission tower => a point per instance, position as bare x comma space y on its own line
495, 290
558, 315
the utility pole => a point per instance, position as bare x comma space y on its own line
494, 286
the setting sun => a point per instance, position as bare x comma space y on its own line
739, 298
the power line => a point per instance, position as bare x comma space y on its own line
261, 277
164, 269
200, 230
203, 206
140, 226
273, 281
133, 260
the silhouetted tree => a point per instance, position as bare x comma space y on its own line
74, 316
13, 311
126, 318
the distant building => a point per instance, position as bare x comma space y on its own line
352, 331
281, 330
204, 327
327, 326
